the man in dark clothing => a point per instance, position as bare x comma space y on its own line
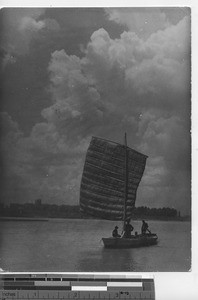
115, 232
145, 227
128, 229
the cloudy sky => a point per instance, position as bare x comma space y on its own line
67, 74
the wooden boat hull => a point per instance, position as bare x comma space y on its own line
133, 242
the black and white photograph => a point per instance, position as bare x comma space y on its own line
95, 139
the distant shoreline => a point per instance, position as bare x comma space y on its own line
39, 211
23, 219
27, 219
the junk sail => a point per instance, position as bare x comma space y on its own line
105, 191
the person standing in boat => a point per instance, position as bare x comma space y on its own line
144, 228
115, 232
128, 229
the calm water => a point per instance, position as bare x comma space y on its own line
75, 245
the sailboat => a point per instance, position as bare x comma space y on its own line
111, 175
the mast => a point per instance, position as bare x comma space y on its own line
125, 181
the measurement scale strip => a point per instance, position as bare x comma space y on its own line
68, 283
70, 286
74, 277
37, 295
52, 280
73, 285
89, 288
121, 284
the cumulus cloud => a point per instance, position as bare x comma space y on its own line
41, 165
28, 23
143, 21
21, 26
131, 84
8, 59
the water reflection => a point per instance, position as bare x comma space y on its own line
107, 260
74, 245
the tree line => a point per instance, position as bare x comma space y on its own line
38, 209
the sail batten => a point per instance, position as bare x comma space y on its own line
106, 190
103, 184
